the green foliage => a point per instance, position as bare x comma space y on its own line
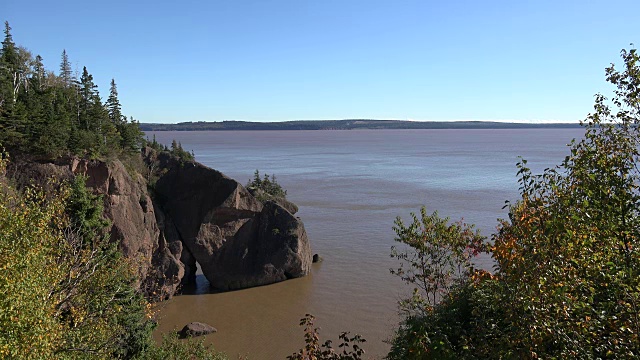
63, 294
66, 75
467, 323
438, 256
350, 348
177, 151
131, 135
113, 105
571, 241
566, 282
28, 273
265, 188
49, 115
155, 145
173, 348
66, 292
85, 209
437, 261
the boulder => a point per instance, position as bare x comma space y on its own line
194, 329
291, 207
261, 195
317, 258
282, 241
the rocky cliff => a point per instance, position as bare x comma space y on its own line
191, 214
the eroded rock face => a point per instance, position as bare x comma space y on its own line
134, 224
130, 211
196, 214
259, 194
237, 241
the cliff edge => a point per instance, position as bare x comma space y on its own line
190, 214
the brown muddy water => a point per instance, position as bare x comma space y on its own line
350, 186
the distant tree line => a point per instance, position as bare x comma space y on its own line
352, 124
49, 114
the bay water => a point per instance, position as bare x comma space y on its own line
350, 186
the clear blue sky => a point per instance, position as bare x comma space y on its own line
265, 60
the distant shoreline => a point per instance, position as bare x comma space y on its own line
352, 124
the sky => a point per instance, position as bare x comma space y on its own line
274, 60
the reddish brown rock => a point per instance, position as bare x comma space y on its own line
129, 209
237, 241
195, 214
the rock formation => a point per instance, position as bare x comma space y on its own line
192, 214
194, 329
238, 241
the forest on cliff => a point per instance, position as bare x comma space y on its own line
48, 114
66, 291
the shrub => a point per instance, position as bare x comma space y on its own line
351, 349
265, 188
65, 290
566, 283
172, 348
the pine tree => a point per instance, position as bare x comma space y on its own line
131, 135
87, 90
8, 70
50, 115
65, 70
113, 105
9, 52
12, 117
38, 73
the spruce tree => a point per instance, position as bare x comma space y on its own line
9, 52
45, 114
113, 105
38, 73
132, 136
65, 70
12, 117
87, 90
8, 70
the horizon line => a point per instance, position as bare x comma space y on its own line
509, 121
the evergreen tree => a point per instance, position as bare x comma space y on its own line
65, 70
113, 104
131, 135
87, 89
39, 74
9, 51
45, 114
8, 69
12, 117
8, 38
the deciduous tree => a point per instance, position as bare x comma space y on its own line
566, 282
